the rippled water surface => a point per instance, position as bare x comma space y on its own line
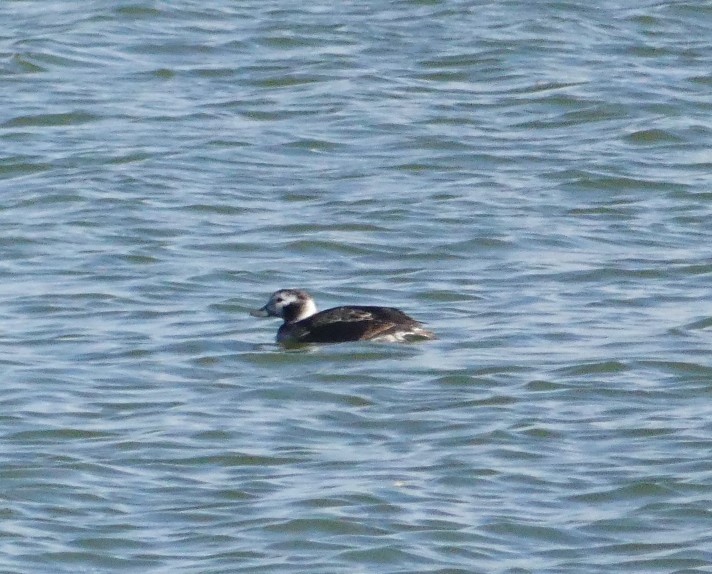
532, 179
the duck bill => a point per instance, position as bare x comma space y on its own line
261, 312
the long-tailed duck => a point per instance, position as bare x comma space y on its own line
303, 324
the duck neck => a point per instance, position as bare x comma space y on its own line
297, 311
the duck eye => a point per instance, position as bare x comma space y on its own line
279, 300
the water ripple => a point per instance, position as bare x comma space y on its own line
530, 180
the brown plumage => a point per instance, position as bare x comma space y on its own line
303, 324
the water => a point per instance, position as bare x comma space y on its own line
530, 179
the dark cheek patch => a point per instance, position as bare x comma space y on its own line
289, 312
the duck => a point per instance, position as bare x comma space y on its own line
303, 323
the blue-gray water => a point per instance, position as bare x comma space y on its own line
532, 179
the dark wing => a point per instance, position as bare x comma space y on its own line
350, 324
